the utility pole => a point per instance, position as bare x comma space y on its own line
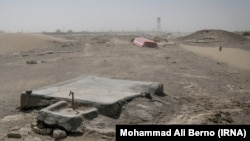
159, 24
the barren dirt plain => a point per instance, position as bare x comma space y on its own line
199, 87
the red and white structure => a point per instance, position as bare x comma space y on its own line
143, 42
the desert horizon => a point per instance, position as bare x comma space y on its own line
189, 67
74, 70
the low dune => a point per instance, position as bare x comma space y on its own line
232, 56
211, 38
18, 42
215, 35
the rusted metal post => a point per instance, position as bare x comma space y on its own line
73, 101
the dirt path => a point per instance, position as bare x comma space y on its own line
233, 56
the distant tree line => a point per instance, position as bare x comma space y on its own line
60, 32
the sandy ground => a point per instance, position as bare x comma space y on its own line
12, 43
199, 90
232, 56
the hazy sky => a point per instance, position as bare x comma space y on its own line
104, 15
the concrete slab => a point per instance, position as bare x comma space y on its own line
98, 89
104, 93
60, 115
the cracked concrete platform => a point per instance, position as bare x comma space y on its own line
105, 94
99, 90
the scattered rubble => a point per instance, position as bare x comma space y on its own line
44, 131
106, 132
159, 39
14, 135
221, 117
52, 52
144, 115
31, 62
57, 134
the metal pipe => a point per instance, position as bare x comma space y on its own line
73, 101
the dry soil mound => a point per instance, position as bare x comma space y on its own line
17, 42
215, 36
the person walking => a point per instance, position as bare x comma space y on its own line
220, 49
